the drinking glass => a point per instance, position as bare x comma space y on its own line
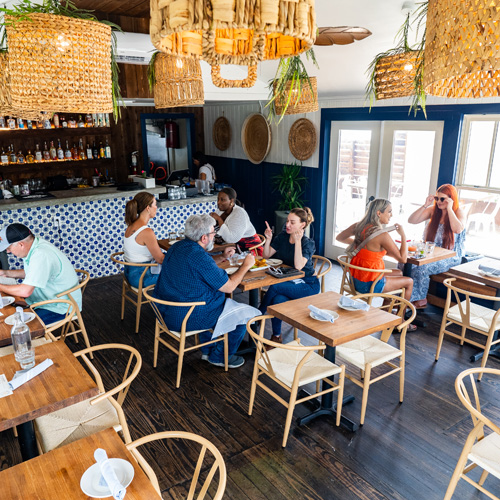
429, 247
420, 249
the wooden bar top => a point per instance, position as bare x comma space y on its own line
350, 325
36, 328
470, 270
438, 254
57, 474
63, 384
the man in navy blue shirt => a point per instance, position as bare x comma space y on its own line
190, 274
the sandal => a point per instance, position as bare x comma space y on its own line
411, 328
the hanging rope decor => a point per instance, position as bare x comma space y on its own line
395, 75
247, 82
59, 62
178, 81
305, 101
462, 56
233, 31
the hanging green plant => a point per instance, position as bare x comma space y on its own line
292, 90
26, 11
289, 183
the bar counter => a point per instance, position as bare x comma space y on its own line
88, 224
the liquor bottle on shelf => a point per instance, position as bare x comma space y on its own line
100, 119
46, 122
60, 151
89, 151
11, 122
94, 120
81, 123
102, 151
64, 122
74, 152
29, 157
20, 157
88, 120
2, 121
4, 156
46, 153
29, 124
39, 124
53, 151
71, 122
81, 150
107, 150
95, 151
67, 152
20, 123
55, 119
12, 155
38, 154
106, 118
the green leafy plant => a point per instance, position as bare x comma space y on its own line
290, 70
22, 11
289, 184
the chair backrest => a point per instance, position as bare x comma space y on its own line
82, 283
213, 462
131, 371
325, 265
464, 305
468, 393
72, 307
153, 301
262, 242
115, 257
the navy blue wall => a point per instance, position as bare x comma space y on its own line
253, 183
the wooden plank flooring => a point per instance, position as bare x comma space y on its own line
403, 452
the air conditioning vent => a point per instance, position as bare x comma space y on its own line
134, 48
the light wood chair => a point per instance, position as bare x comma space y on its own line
370, 352
291, 366
129, 292
470, 316
102, 412
210, 464
479, 450
262, 242
179, 337
63, 324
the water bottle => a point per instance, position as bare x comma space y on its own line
21, 341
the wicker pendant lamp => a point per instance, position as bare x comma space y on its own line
462, 49
304, 100
395, 75
59, 62
233, 31
178, 81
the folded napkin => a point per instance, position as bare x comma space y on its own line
489, 270
355, 304
22, 377
108, 474
7, 194
5, 389
322, 314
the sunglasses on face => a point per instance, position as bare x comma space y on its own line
441, 199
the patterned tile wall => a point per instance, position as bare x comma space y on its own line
89, 232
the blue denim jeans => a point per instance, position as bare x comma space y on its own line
133, 275
216, 351
364, 286
49, 317
289, 290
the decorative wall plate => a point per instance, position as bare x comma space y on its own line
221, 133
302, 139
256, 137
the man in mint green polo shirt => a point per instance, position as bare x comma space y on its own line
47, 271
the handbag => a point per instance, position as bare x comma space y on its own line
353, 250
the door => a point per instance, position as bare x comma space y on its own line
396, 160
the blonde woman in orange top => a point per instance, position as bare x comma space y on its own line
371, 256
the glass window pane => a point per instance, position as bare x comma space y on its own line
495, 167
352, 175
478, 153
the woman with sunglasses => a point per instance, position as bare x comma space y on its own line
446, 228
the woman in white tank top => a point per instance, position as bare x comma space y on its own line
140, 244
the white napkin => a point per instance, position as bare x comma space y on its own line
22, 377
355, 304
4, 386
19, 310
489, 270
155, 269
7, 194
108, 474
322, 314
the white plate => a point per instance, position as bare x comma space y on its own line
27, 316
260, 268
231, 270
348, 308
91, 477
274, 262
7, 301
333, 313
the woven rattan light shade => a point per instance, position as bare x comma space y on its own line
178, 82
306, 102
462, 56
233, 31
395, 75
58, 62
224, 83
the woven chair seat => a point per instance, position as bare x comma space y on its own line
480, 316
75, 422
368, 350
486, 454
5, 351
285, 363
136, 290
188, 334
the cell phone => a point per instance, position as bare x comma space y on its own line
20, 303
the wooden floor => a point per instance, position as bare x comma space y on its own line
403, 452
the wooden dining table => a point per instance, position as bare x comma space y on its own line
437, 255
35, 326
63, 384
350, 325
57, 474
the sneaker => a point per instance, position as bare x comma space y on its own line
204, 357
233, 362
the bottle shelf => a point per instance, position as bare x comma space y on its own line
45, 166
48, 134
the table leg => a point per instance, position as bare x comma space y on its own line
253, 297
495, 351
27, 440
407, 272
327, 406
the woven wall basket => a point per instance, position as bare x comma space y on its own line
233, 31
302, 139
179, 82
462, 57
256, 137
61, 63
391, 77
221, 133
249, 81
306, 102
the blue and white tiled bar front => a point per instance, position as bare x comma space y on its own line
89, 229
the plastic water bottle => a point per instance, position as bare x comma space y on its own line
21, 340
